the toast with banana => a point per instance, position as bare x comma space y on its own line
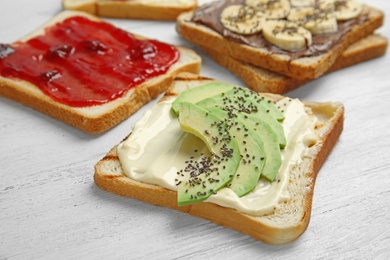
132, 9
223, 153
262, 80
86, 72
301, 42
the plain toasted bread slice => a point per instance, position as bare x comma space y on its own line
97, 118
262, 80
284, 224
132, 9
303, 68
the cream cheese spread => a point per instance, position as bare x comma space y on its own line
157, 149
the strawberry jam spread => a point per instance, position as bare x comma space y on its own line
81, 63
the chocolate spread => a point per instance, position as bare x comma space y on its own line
209, 15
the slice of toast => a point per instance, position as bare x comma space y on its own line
302, 68
96, 118
262, 80
284, 224
134, 9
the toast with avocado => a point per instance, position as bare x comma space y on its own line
262, 80
301, 42
132, 9
86, 72
209, 149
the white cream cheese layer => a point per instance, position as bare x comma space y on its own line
157, 149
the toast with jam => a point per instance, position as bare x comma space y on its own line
88, 73
262, 80
301, 42
132, 9
218, 155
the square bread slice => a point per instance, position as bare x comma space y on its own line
302, 68
96, 118
132, 9
262, 80
284, 224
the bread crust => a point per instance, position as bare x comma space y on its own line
99, 118
110, 177
262, 80
88, 6
301, 68
135, 9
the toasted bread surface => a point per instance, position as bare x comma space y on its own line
303, 68
283, 225
262, 80
135, 9
98, 118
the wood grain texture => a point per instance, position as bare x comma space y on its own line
51, 209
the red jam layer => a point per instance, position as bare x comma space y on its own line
82, 63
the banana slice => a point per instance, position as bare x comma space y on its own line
317, 21
286, 35
301, 3
273, 9
347, 9
242, 19
326, 5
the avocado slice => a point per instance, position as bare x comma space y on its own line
252, 154
196, 94
253, 101
247, 96
271, 145
231, 101
265, 132
210, 173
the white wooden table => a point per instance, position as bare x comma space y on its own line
50, 207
